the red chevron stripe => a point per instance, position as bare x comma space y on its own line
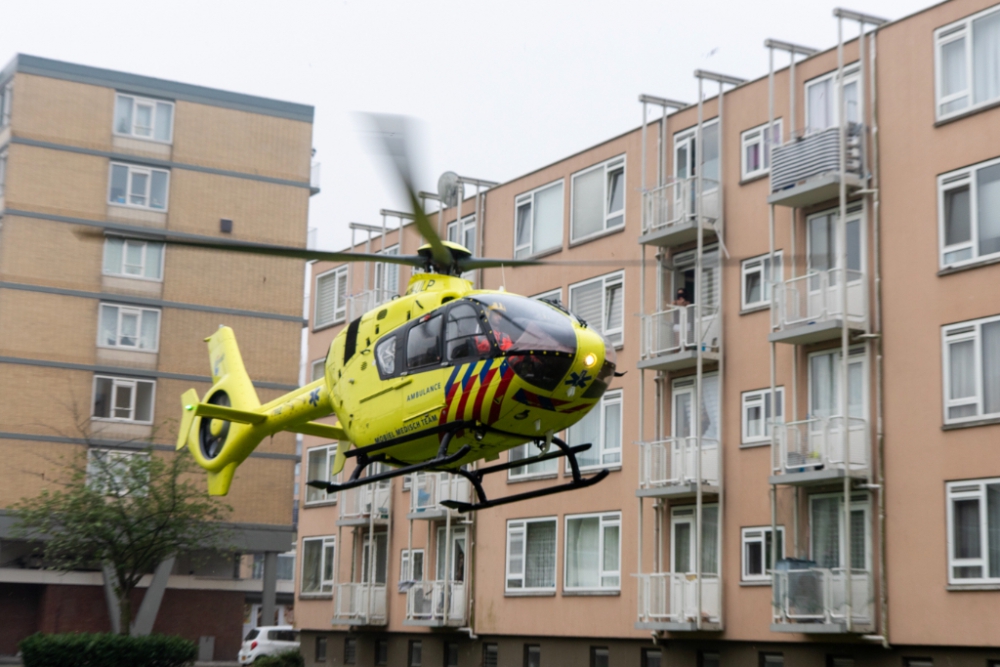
447, 403
460, 413
477, 407
501, 391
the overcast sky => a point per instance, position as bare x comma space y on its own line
499, 88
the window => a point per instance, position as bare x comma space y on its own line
969, 213
824, 384
133, 259
966, 63
317, 565
828, 537
757, 279
382, 652
144, 118
464, 234
971, 360
317, 370
491, 655
129, 328
598, 199
599, 302
686, 163
6, 103
350, 650
757, 552
138, 187
108, 471
602, 428
285, 567
821, 100
464, 335
599, 656
532, 655
415, 653
319, 468
756, 156
320, 653
3, 171
331, 297
593, 550
531, 555
450, 654
552, 296
386, 277
123, 399
708, 659
385, 356
423, 343
652, 657
757, 414
418, 566
538, 221
381, 559
974, 531
538, 469
772, 660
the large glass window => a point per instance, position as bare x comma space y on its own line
132, 258
821, 100
538, 221
464, 334
824, 384
538, 469
683, 554
757, 277
138, 187
381, 559
757, 414
593, 552
108, 471
317, 565
331, 297
320, 469
602, 429
969, 213
386, 277
144, 118
531, 555
828, 539
123, 399
968, 63
600, 303
129, 328
757, 552
974, 531
971, 363
423, 343
598, 199
755, 156
417, 571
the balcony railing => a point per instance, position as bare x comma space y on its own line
818, 444
425, 602
359, 604
362, 501
819, 595
817, 297
673, 329
669, 597
673, 462
674, 203
813, 155
429, 489
360, 303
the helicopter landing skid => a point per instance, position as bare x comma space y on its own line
475, 478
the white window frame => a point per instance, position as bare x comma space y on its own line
136, 101
404, 564
319, 364
148, 171
608, 167
610, 397
384, 289
858, 502
966, 176
606, 520
550, 296
339, 314
758, 264
529, 250
122, 382
758, 135
855, 353
323, 497
956, 333
114, 455
756, 398
141, 314
609, 280
145, 254
325, 541
550, 467
970, 489
851, 75
6, 103
3, 172
514, 525
758, 534
942, 37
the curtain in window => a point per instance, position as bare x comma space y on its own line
988, 200
328, 561
612, 535
587, 303
612, 433
986, 58
164, 114
311, 557
123, 115
548, 219
962, 376
150, 327
588, 203
540, 570
822, 385
587, 430
993, 528
710, 540
109, 325
859, 534
710, 153
113, 255
144, 401
710, 407
953, 69
991, 367
826, 532
315, 471
582, 553
819, 106
682, 547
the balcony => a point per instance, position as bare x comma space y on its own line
671, 338
668, 468
809, 308
668, 211
812, 451
669, 601
428, 490
314, 175
436, 604
359, 604
365, 504
806, 170
360, 303
814, 601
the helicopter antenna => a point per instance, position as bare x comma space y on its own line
503, 279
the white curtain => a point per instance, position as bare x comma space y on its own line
826, 532
548, 218
582, 553
710, 407
986, 58
991, 367
710, 153
150, 328
988, 200
710, 540
311, 557
588, 203
953, 68
961, 369
540, 570
612, 433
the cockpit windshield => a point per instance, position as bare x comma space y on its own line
522, 324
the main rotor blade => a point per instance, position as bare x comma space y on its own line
392, 131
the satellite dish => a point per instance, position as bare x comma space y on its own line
448, 189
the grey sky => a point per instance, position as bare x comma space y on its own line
500, 88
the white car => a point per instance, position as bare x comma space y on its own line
268, 640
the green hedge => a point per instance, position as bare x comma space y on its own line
106, 650
286, 659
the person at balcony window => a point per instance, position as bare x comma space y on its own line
682, 299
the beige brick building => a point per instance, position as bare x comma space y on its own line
98, 339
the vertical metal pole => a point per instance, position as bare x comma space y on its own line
447, 565
338, 546
720, 233
699, 360
372, 556
409, 538
775, 455
791, 98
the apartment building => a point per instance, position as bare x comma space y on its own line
99, 338
798, 273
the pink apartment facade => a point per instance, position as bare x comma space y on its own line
811, 330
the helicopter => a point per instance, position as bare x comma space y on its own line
435, 380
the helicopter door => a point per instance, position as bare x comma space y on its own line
465, 339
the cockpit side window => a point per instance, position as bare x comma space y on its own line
423, 343
464, 335
385, 356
